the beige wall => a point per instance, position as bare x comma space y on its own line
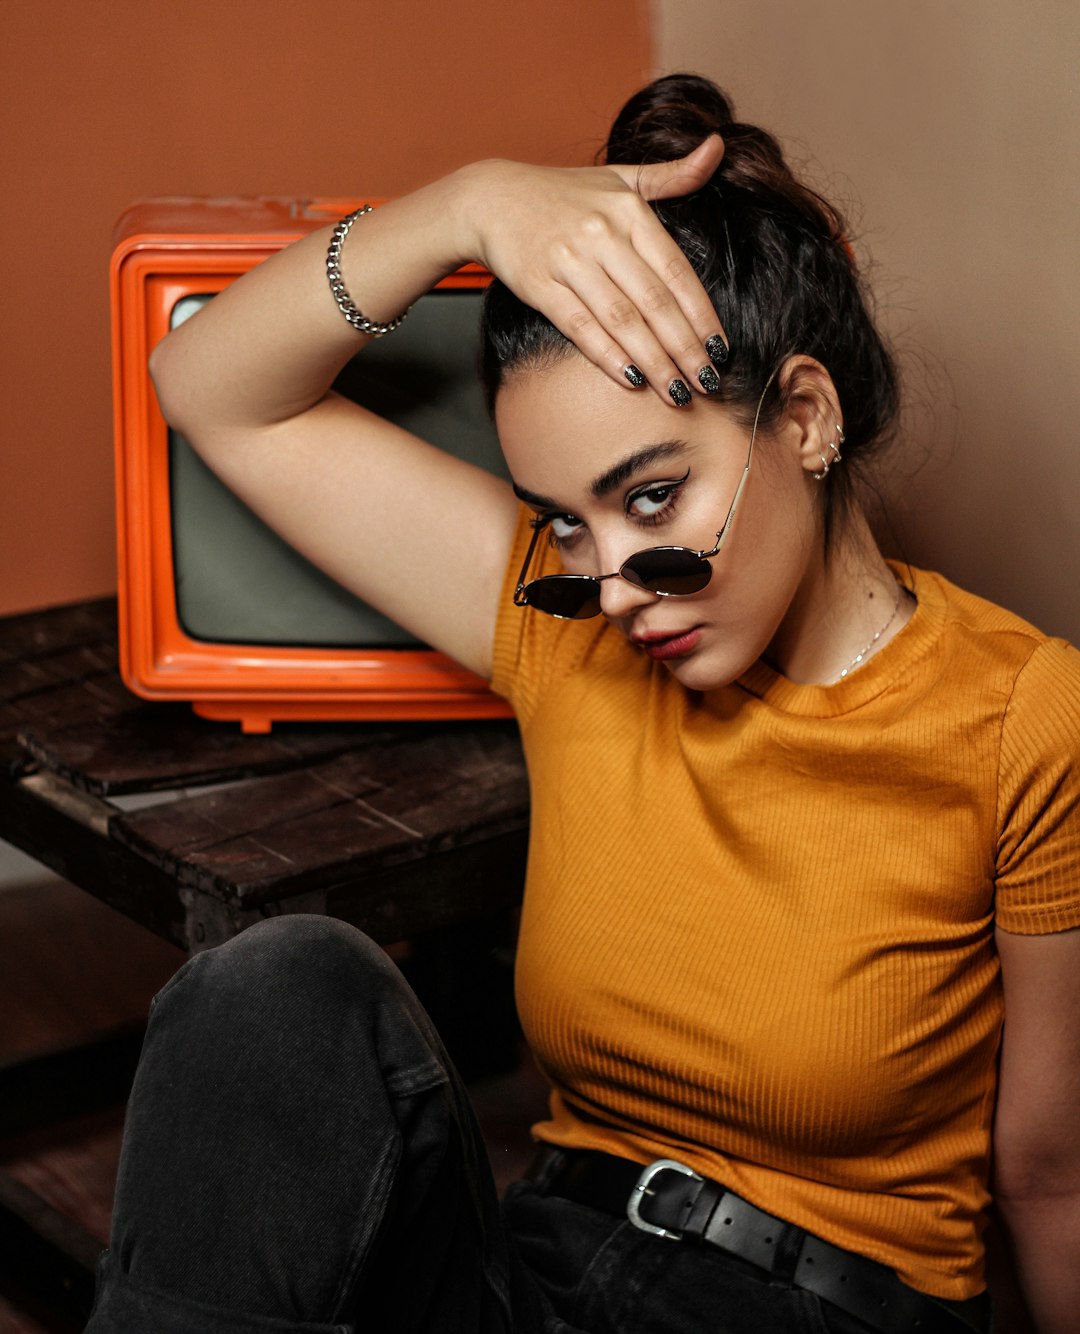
109, 100
955, 125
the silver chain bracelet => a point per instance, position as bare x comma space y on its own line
344, 301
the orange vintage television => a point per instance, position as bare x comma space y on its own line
214, 608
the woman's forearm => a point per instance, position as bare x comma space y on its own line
1044, 1232
269, 346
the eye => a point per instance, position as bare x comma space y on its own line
563, 526
562, 529
654, 502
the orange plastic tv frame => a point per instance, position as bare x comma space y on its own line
214, 608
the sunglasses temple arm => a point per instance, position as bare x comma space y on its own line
520, 599
721, 536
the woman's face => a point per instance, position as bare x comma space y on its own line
621, 471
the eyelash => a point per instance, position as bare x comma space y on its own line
671, 489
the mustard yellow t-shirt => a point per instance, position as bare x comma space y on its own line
758, 925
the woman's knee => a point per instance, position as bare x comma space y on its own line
303, 984
299, 941
291, 960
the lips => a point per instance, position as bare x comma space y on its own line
663, 647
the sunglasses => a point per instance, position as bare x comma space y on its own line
665, 571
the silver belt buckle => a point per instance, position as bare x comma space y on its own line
633, 1204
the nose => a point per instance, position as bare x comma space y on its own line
620, 598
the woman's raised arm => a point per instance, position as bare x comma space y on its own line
422, 536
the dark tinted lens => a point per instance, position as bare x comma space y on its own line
574, 597
668, 570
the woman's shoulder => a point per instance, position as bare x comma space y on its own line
1012, 693
965, 608
990, 653
988, 637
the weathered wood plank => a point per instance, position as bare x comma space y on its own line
19, 679
396, 903
56, 664
256, 809
342, 820
153, 747
418, 778
36, 634
80, 853
69, 703
82, 662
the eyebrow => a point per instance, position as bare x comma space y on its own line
633, 463
614, 476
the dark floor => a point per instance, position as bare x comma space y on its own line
71, 968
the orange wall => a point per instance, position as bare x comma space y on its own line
114, 100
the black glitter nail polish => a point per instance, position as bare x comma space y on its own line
717, 350
708, 379
634, 376
680, 395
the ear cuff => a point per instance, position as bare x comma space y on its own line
833, 456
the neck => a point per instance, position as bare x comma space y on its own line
844, 607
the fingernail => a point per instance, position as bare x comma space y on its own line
717, 350
680, 395
634, 376
709, 380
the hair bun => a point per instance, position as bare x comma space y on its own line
671, 116
667, 120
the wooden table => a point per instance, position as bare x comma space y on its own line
397, 829
195, 831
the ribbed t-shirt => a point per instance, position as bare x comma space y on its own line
757, 934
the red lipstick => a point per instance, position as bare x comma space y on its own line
663, 647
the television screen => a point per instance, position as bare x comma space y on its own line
236, 579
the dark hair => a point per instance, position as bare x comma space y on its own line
772, 254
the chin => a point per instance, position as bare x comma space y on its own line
705, 671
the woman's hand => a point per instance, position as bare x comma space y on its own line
582, 246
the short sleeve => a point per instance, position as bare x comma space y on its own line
1038, 853
531, 649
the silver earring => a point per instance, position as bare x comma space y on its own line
833, 456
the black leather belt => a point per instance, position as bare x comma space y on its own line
669, 1199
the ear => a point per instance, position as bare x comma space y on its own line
813, 422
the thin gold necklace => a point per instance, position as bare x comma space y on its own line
860, 657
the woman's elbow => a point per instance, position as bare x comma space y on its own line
164, 374
1026, 1171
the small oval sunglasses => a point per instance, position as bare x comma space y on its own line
665, 571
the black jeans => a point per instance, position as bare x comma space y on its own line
300, 1154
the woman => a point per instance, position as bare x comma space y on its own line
805, 822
